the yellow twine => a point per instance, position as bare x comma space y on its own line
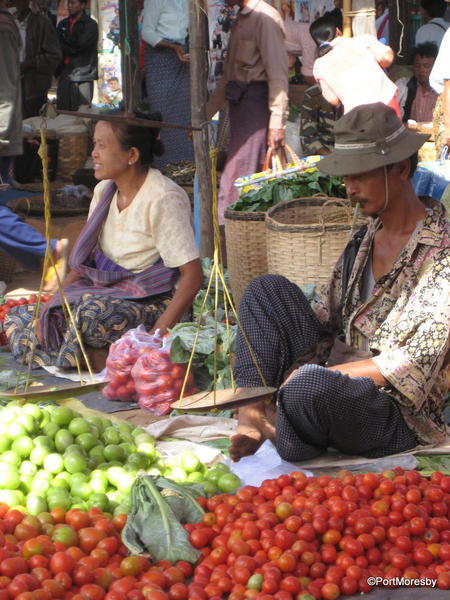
49, 260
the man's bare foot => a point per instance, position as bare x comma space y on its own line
256, 423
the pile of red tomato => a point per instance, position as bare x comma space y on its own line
295, 538
78, 555
10, 303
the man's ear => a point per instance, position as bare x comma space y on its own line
403, 168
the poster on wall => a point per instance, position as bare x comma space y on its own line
109, 59
220, 19
307, 11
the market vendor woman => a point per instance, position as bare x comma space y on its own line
135, 262
386, 312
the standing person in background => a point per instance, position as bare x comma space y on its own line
40, 54
416, 97
382, 21
255, 84
165, 31
435, 26
350, 70
21, 241
300, 43
317, 118
78, 35
440, 82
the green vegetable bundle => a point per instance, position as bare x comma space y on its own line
154, 523
300, 185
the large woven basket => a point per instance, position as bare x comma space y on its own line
245, 236
72, 154
306, 236
7, 266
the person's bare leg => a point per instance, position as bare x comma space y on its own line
256, 423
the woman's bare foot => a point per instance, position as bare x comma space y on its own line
59, 271
256, 423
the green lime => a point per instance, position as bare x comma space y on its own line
54, 463
100, 501
86, 441
77, 479
11, 457
64, 476
44, 442
16, 430
63, 439
75, 449
84, 491
23, 446
75, 463
33, 410
78, 426
28, 468
121, 509
12, 497
137, 431
26, 483
38, 455
44, 474
5, 442
229, 482
36, 504
96, 422
60, 483
214, 475
63, 500
51, 429
189, 461
128, 448
98, 485
220, 466
110, 435
147, 448
114, 452
195, 477
96, 454
125, 482
62, 415
142, 438
209, 487
40, 487
138, 460
177, 474
8, 414
29, 422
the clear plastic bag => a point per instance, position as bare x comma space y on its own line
122, 356
158, 380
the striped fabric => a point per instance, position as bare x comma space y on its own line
100, 276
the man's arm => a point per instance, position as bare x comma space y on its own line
271, 44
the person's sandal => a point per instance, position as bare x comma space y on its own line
51, 279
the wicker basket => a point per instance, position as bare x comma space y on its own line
306, 236
72, 154
245, 236
7, 266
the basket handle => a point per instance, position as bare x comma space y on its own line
282, 155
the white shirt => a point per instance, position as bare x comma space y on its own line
441, 67
165, 19
156, 224
22, 27
433, 31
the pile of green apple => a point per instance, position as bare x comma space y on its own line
51, 456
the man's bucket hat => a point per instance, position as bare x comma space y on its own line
369, 137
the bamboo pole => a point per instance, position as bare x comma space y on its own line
129, 45
199, 70
347, 21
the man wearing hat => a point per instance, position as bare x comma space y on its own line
375, 347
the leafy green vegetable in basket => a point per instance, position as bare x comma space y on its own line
210, 353
152, 526
299, 185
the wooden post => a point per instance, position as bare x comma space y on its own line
199, 71
129, 46
347, 21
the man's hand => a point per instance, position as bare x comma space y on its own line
275, 138
181, 54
